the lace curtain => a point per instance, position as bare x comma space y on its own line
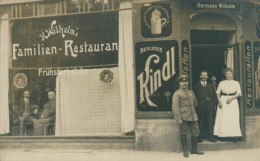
4, 77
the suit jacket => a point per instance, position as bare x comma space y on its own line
21, 107
49, 110
211, 98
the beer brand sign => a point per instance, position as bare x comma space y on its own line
156, 73
82, 40
156, 20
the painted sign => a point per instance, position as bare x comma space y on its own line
156, 20
216, 5
258, 22
20, 80
156, 74
79, 40
249, 74
257, 73
185, 53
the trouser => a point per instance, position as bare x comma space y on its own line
206, 121
192, 125
23, 119
39, 126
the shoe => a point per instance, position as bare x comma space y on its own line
194, 150
213, 140
200, 140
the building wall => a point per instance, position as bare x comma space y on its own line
161, 134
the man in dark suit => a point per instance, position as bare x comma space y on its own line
47, 115
26, 110
207, 100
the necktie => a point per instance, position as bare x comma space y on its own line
26, 105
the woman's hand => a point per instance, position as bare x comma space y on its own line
229, 100
219, 104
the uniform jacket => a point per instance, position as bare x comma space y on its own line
210, 99
49, 110
183, 105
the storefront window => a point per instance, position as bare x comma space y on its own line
43, 47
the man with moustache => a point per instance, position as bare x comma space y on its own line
27, 110
47, 115
207, 100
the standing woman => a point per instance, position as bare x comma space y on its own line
227, 122
183, 107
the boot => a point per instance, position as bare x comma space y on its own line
184, 146
194, 142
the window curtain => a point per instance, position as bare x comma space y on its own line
126, 69
4, 77
87, 106
230, 58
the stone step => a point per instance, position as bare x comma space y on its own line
110, 142
221, 145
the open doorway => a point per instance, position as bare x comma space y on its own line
210, 52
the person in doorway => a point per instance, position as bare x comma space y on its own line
26, 110
183, 107
257, 82
227, 123
207, 99
47, 116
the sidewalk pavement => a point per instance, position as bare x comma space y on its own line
123, 155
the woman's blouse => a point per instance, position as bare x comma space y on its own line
228, 87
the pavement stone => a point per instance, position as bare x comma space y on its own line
123, 155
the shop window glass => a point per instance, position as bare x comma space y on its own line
41, 47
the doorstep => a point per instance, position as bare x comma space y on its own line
221, 145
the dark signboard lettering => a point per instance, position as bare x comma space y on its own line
249, 73
156, 20
156, 74
185, 53
78, 40
216, 5
257, 73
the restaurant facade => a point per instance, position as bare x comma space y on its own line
114, 65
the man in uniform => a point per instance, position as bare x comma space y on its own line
207, 100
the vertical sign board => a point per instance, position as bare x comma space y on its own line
156, 74
249, 74
185, 52
257, 73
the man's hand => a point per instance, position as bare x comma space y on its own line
180, 122
35, 111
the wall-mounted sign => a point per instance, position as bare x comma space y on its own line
216, 5
156, 20
79, 40
249, 74
258, 22
106, 76
185, 53
257, 73
20, 80
157, 68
